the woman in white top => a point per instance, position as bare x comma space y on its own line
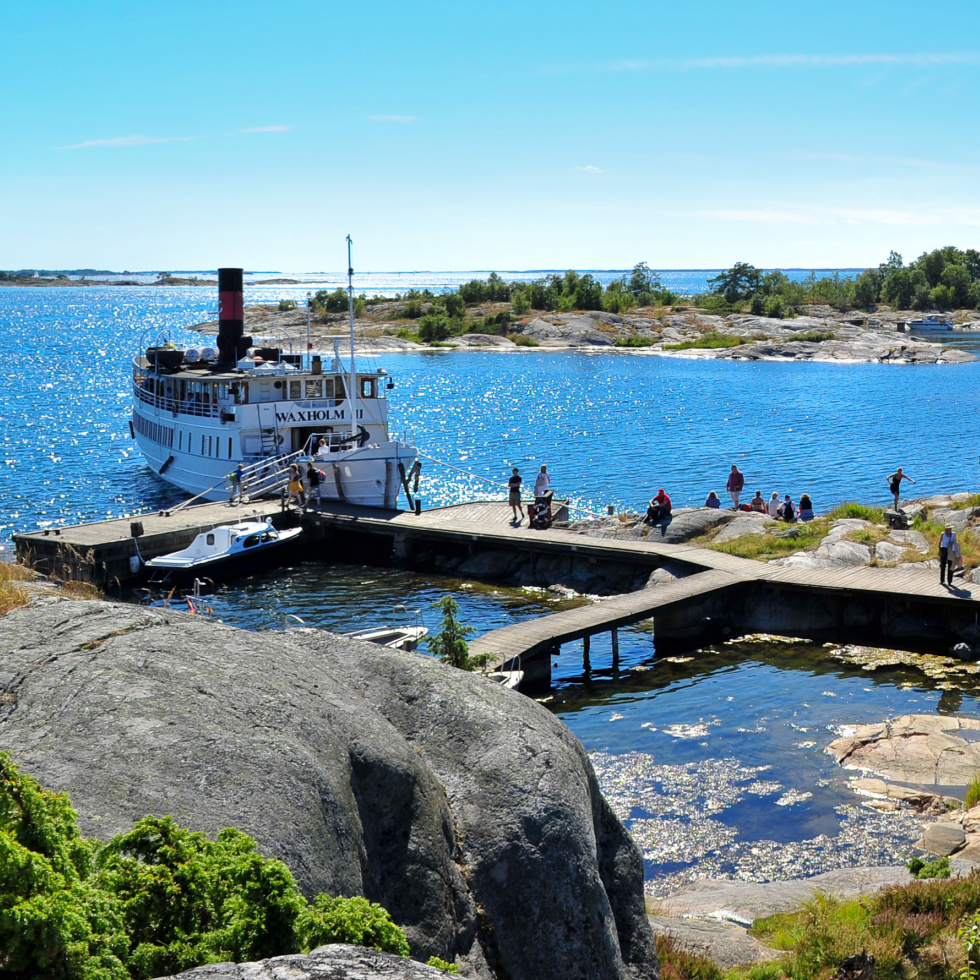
774, 505
542, 481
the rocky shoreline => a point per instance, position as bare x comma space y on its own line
821, 335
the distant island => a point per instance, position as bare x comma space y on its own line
63, 277
748, 314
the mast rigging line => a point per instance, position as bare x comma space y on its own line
503, 486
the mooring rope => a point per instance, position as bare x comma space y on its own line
572, 505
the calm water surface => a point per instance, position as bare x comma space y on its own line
715, 760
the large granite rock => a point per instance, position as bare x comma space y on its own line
920, 749
468, 811
339, 962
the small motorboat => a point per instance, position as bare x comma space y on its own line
393, 637
229, 549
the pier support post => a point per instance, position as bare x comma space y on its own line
586, 661
615, 648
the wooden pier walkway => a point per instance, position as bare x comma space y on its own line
718, 591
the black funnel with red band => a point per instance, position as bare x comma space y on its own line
231, 323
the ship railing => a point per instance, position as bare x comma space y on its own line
269, 475
173, 405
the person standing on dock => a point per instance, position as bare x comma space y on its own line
895, 483
542, 481
514, 494
313, 487
736, 480
236, 479
949, 551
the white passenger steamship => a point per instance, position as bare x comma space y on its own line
198, 413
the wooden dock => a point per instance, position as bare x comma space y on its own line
102, 552
719, 595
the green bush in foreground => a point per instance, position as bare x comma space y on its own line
157, 900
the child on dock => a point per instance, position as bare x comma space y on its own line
514, 495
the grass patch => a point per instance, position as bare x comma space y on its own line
816, 336
406, 334
911, 930
710, 341
859, 512
12, 594
780, 541
971, 502
522, 341
637, 340
676, 963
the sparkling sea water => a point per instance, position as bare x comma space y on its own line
714, 760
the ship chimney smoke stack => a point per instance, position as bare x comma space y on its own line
231, 324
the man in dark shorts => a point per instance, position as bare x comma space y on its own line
895, 483
514, 494
659, 508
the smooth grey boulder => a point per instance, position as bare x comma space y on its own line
687, 523
942, 839
468, 811
340, 962
745, 524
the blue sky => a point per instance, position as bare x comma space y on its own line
182, 135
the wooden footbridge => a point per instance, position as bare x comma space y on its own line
719, 595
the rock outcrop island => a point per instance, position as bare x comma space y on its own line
469, 812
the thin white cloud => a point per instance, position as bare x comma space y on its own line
589, 169
915, 60
129, 141
266, 129
802, 215
393, 119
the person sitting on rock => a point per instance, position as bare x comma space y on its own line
758, 504
787, 512
775, 506
806, 508
659, 508
713, 501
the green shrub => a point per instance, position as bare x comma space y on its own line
286, 305
522, 341
349, 920
923, 870
638, 340
433, 327
327, 302
157, 900
973, 794
454, 305
442, 964
710, 340
816, 336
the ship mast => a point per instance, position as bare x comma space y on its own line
352, 394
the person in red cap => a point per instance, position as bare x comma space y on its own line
659, 508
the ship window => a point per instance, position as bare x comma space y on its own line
180, 439
328, 387
314, 388
295, 390
229, 447
367, 388
202, 445
210, 539
251, 541
339, 388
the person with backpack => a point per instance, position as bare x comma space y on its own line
949, 554
313, 483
